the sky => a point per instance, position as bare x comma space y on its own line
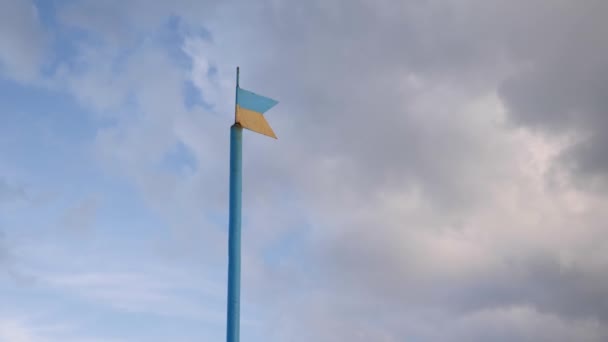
440, 173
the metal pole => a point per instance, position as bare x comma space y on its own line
234, 237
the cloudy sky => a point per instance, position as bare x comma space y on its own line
440, 175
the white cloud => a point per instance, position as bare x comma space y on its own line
15, 328
165, 295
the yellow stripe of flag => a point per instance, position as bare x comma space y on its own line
254, 121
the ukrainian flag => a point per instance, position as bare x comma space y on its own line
250, 108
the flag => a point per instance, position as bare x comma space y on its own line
250, 108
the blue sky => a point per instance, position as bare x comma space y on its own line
88, 254
440, 172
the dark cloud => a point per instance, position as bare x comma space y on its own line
383, 90
373, 88
562, 80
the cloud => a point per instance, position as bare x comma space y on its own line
119, 22
559, 88
26, 329
4, 254
13, 330
23, 40
521, 323
10, 192
82, 217
421, 196
167, 295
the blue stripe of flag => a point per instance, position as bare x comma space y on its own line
253, 101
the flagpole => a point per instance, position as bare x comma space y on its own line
234, 234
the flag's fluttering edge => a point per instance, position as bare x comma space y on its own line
250, 108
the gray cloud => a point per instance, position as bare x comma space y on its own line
3, 249
81, 217
115, 22
386, 99
22, 40
10, 192
560, 87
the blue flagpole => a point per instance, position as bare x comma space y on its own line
234, 237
